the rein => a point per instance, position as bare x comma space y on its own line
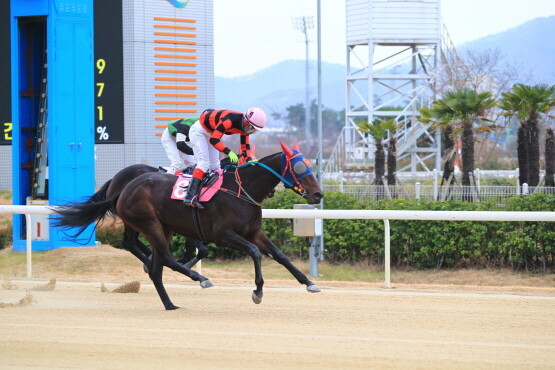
297, 188
283, 179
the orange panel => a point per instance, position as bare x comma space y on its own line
176, 110
175, 42
177, 95
175, 56
174, 19
176, 102
167, 118
174, 34
167, 48
175, 79
175, 64
173, 71
190, 28
176, 87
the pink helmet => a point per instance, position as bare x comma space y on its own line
256, 117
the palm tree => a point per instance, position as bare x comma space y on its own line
529, 104
439, 116
459, 111
378, 129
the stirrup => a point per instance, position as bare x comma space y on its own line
193, 202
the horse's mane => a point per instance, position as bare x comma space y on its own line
229, 168
266, 158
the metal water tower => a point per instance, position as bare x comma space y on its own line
393, 51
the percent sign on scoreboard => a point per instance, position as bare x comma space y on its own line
103, 134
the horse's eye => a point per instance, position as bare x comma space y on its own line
299, 168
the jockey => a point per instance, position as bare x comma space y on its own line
206, 136
174, 140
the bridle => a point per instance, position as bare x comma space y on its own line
291, 174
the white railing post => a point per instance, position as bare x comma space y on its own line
525, 189
387, 252
29, 249
417, 190
341, 182
435, 173
517, 177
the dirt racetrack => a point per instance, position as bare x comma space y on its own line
77, 326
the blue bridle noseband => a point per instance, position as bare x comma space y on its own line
293, 170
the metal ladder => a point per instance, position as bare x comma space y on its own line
40, 166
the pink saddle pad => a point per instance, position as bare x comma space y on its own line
180, 187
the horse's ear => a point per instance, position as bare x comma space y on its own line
296, 146
288, 152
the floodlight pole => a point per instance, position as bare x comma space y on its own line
316, 252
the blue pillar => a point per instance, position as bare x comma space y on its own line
65, 28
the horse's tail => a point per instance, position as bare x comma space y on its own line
100, 195
81, 214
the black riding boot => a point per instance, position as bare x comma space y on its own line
191, 199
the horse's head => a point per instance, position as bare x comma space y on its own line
297, 170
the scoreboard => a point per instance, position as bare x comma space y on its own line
108, 72
108, 54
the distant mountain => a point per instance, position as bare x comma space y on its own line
531, 45
277, 87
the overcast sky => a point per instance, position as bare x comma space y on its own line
250, 35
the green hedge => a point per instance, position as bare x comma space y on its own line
428, 244
5, 238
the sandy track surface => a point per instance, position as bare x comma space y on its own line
77, 326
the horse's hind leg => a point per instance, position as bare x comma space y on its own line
193, 275
142, 246
160, 254
189, 259
130, 243
269, 249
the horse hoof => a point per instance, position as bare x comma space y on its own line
206, 284
255, 298
145, 268
313, 288
171, 307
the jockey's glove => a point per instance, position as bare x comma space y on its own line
233, 157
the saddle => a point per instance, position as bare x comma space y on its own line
185, 171
211, 183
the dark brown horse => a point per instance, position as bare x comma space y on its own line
131, 241
233, 218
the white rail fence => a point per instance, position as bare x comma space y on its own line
317, 214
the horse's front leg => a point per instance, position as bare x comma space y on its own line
236, 241
269, 249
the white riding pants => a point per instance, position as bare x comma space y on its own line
207, 157
178, 159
